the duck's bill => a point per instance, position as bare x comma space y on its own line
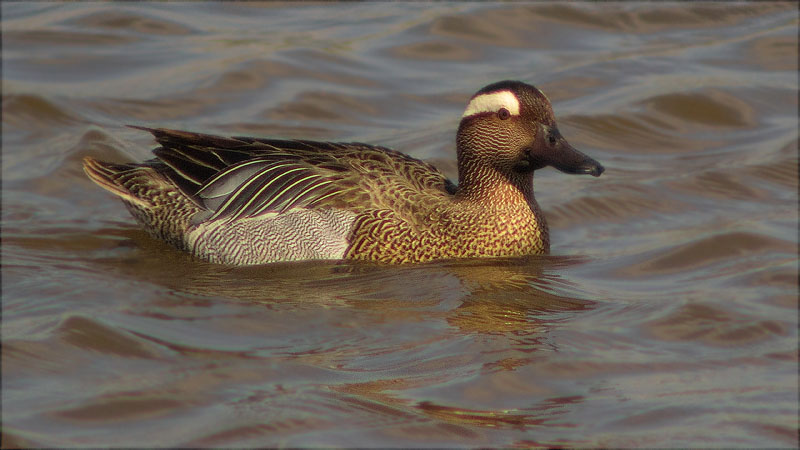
569, 160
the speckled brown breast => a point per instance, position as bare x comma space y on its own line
444, 230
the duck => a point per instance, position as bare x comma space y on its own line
249, 200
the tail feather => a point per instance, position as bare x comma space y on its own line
107, 176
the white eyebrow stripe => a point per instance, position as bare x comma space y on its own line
492, 102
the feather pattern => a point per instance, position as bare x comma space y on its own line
241, 177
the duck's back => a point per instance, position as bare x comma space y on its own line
246, 200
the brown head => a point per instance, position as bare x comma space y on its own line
508, 131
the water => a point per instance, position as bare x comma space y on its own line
666, 316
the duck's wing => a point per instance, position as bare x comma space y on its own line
242, 176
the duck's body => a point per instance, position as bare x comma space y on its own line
251, 201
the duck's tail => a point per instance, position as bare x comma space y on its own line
115, 178
152, 199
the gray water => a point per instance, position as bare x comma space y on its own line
666, 315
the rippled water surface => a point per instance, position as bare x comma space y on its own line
666, 315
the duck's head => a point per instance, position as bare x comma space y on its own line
510, 127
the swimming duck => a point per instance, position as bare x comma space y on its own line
246, 200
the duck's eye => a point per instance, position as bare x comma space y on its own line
552, 139
503, 114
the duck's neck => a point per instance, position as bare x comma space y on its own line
488, 186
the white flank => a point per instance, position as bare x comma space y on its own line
492, 102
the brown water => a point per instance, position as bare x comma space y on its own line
667, 315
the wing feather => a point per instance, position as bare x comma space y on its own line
241, 176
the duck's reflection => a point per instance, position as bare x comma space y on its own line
503, 295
